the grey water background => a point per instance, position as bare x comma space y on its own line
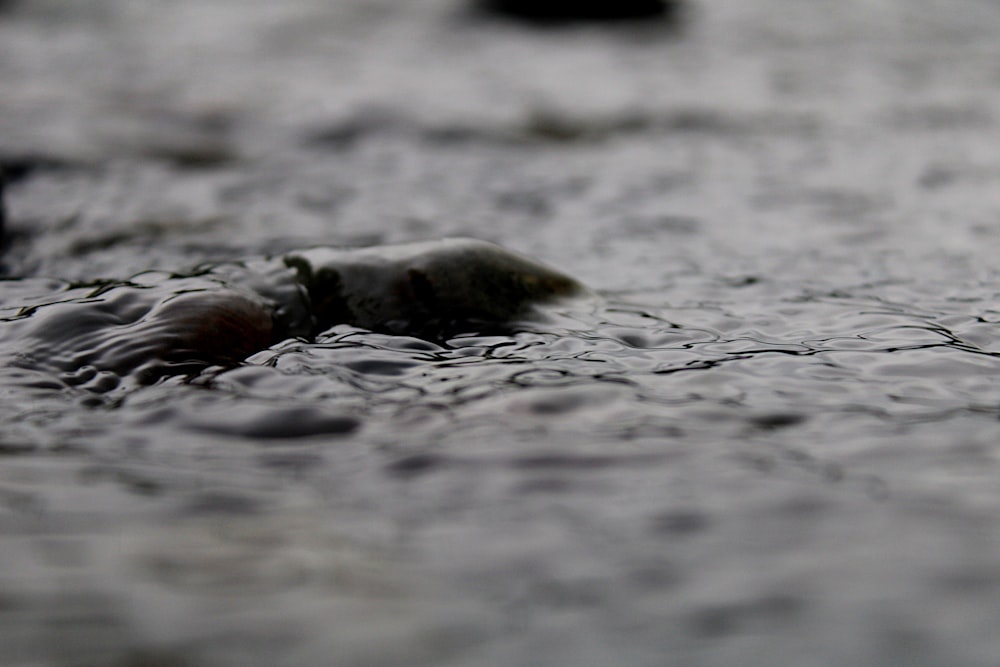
775, 442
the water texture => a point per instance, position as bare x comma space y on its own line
771, 439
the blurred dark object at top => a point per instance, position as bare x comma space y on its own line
565, 11
3, 208
16, 167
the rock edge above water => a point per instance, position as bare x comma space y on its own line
163, 324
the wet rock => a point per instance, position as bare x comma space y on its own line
161, 324
158, 330
274, 423
416, 465
426, 288
777, 420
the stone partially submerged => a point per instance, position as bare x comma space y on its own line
161, 324
425, 288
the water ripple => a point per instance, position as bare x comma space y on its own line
615, 367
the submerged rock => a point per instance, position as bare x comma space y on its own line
152, 328
163, 324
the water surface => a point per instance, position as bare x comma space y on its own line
772, 441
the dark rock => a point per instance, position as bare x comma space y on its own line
557, 11
282, 423
777, 420
16, 167
426, 289
176, 325
173, 328
415, 465
3, 207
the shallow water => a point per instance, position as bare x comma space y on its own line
773, 440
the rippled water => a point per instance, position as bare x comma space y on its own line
772, 439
